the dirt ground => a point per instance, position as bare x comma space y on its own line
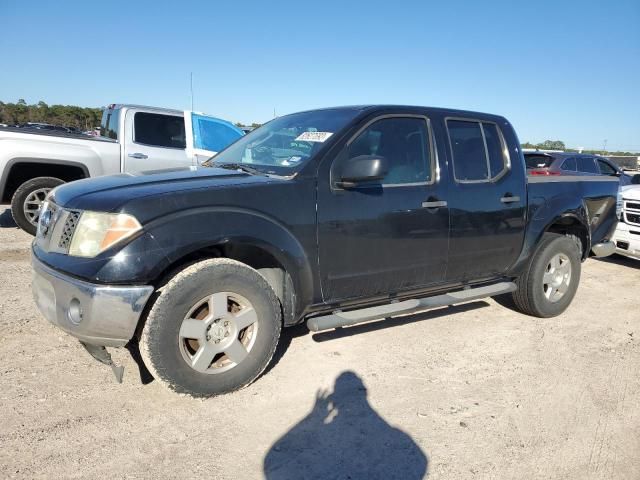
475, 391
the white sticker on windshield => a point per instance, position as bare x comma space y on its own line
314, 136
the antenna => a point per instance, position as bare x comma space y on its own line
191, 73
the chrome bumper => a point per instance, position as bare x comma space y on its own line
603, 249
95, 314
627, 240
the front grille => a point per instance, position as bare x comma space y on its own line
632, 218
633, 205
67, 231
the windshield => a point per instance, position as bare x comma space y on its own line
283, 145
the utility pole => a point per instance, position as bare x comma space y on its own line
191, 91
604, 148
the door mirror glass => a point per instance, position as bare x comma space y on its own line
363, 169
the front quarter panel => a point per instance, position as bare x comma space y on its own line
279, 219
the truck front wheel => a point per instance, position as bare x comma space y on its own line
213, 328
549, 284
28, 199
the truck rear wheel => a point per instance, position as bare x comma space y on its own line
548, 286
27, 201
213, 329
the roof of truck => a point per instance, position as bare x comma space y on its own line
374, 107
147, 107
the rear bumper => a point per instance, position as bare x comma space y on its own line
95, 314
627, 240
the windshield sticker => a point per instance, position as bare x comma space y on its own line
314, 136
290, 161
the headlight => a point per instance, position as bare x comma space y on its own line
98, 231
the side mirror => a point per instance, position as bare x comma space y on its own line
635, 180
363, 169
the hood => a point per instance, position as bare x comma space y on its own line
630, 192
109, 193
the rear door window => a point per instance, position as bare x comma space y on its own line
494, 148
587, 165
477, 150
159, 130
569, 164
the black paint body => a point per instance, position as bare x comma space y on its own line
341, 247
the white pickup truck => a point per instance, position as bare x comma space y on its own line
132, 139
627, 234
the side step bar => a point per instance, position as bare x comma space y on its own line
353, 317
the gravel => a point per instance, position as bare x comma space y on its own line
474, 391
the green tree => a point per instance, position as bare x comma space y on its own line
552, 145
66, 115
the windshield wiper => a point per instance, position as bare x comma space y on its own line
236, 166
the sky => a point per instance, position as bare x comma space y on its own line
559, 70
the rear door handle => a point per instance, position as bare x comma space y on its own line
510, 199
138, 155
434, 204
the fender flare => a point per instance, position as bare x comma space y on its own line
16, 160
549, 214
181, 234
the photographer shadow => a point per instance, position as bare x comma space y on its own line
344, 437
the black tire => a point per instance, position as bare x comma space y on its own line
20, 196
163, 351
530, 296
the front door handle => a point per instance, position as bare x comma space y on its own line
138, 155
510, 198
434, 204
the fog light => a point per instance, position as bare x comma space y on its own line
74, 314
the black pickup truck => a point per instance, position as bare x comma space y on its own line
332, 217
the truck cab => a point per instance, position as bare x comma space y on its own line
156, 138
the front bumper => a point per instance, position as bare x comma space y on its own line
603, 249
627, 240
95, 314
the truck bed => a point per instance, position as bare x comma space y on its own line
587, 199
55, 133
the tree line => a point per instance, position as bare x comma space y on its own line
86, 118
65, 115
